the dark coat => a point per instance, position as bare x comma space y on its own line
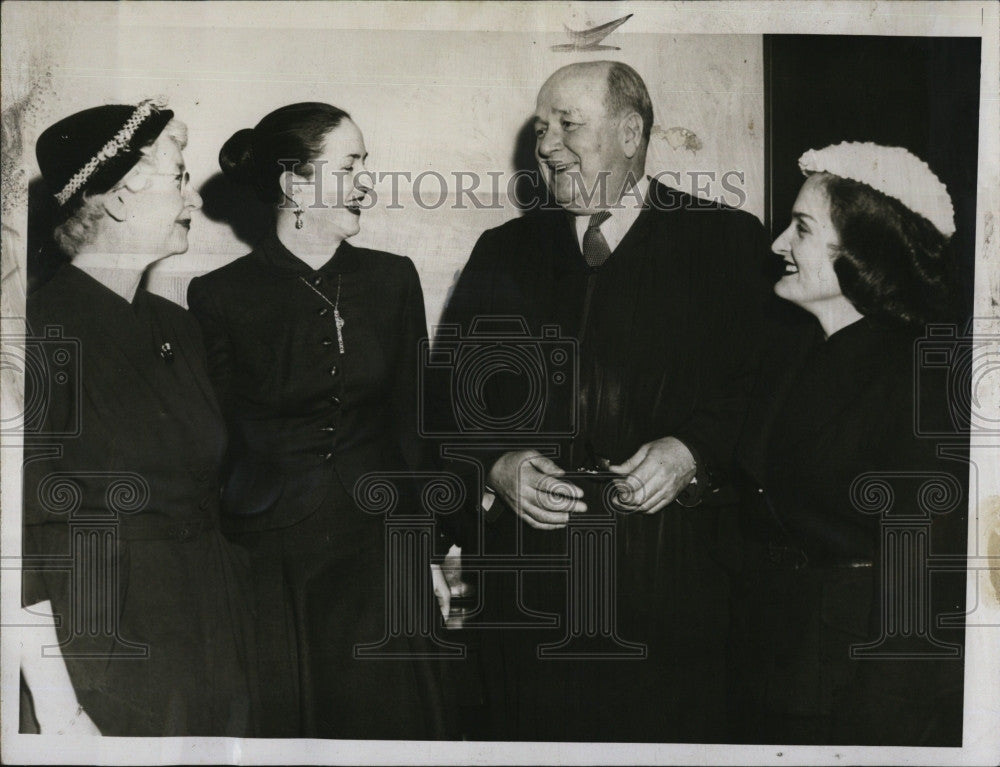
681, 292
836, 436
122, 470
664, 336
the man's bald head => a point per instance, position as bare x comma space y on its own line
624, 90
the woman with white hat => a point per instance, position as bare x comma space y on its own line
842, 623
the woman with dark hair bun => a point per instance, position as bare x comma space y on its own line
313, 351
841, 623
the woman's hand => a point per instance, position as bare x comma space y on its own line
78, 724
56, 708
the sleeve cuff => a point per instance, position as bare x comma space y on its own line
703, 481
490, 507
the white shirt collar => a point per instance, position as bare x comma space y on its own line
615, 228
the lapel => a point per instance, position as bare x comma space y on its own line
115, 356
557, 233
191, 356
658, 212
115, 340
102, 319
638, 234
791, 336
562, 238
834, 376
628, 283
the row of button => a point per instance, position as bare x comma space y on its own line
333, 370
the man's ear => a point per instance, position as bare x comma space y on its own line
631, 133
115, 205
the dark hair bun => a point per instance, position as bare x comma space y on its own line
236, 158
295, 133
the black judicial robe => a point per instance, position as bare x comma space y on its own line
835, 434
121, 502
307, 422
664, 334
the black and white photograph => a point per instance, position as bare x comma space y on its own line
500, 382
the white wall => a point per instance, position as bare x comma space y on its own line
444, 100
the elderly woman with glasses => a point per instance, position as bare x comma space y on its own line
122, 454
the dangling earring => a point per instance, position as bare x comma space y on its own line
298, 213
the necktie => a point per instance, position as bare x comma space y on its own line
595, 247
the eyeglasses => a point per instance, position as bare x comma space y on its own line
183, 179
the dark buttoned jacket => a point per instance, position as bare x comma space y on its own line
301, 414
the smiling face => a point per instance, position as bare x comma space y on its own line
808, 247
159, 202
577, 142
345, 184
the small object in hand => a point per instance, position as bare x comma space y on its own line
597, 468
598, 475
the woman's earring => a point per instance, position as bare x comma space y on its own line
298, 212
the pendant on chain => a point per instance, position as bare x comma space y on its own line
338, 320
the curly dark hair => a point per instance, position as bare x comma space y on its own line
893, 265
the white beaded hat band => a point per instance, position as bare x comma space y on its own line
92, 150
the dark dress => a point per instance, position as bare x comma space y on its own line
307, 422
121, 500
832, 443
664, 336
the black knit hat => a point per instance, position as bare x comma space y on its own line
92, 150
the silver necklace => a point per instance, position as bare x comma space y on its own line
337, 319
